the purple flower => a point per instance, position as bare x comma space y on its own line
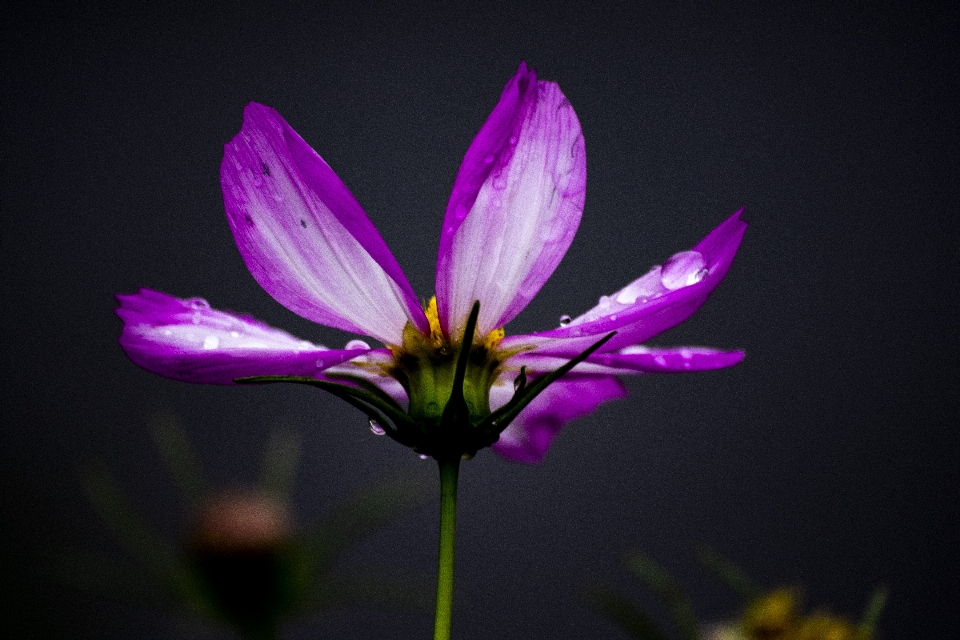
515, 207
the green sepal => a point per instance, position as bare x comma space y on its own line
496, 422
456, 410
375, 408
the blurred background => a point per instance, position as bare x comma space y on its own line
826, 459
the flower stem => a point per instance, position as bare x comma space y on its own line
449, 470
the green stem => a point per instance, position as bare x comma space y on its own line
448, 525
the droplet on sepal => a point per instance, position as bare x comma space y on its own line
424, 456
211, 342
355, 345
376, 428
516, 383
683, 269
565, 320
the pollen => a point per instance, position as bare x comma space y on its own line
492, 341
433, 317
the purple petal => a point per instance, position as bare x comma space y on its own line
662, 298
187, 340
528, 436
638, 359
304, 237
515, 206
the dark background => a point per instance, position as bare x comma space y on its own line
827, 458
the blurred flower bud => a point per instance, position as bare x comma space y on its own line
242, 548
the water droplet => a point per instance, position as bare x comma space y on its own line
613, 317
433, 408
500, 181
488, 159
513, 139
355, 345
682, 270
211, 342
424, 456
319, 363
516, 383
660, 360
460, 212
198, 303
167, 332
234, 334
196, 318
686, 354
565, 320
376, 428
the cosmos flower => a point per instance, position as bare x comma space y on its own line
515, 207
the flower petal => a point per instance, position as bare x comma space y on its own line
528, 436
187, 340
305, 238
638, 359
662, 298
515, 206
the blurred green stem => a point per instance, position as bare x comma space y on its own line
449, 470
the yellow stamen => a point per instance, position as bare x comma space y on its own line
433, 317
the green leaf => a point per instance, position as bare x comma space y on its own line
280, 463
868, 621
668, 591
624, 613
365, 513
178, 454
730, 573
132, 531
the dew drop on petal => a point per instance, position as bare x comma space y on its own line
682, 270
488, 159
513, 139
376, 428
211, 342
660, 360
167, 332
234, 334
355, 345
565, 320
319, 363
198, 303
500, 181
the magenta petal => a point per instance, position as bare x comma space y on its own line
528, 437
659, 300
635, 360
305, 238
515, 207
187, 340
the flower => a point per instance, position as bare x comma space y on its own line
515, 207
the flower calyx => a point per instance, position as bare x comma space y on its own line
449, 415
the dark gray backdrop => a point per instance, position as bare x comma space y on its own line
827, 458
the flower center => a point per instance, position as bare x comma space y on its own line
426, 364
